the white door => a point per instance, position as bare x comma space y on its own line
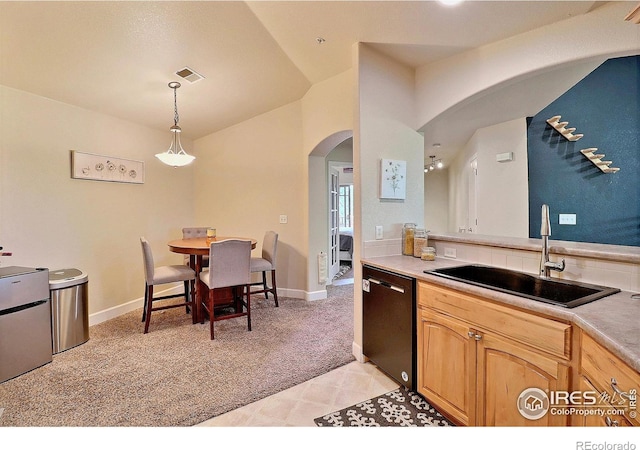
472, 223
334, 220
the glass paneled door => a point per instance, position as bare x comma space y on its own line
334, 220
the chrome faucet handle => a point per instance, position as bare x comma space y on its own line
555, 266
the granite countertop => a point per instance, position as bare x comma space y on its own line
612, 321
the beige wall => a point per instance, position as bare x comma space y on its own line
436, 200
385, 112
276, 152
247, 176
48, 219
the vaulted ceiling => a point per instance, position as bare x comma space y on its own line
116, 57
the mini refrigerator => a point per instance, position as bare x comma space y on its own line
25, 320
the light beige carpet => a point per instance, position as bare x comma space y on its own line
175, 375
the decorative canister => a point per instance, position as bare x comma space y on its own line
428, 254
419, 241
408, 233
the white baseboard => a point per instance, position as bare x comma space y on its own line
356, 350
112, 313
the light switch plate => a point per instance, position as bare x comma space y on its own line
379, 232
567, 219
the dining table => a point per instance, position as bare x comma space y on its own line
196, 248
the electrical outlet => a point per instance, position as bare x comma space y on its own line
283, 218
378, 231
449, 252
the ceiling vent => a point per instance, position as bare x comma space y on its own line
189, 74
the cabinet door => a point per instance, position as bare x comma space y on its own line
597, 420
505, 370
447, 365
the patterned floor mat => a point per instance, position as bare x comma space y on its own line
399, 408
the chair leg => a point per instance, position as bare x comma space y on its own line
264, 285
144, 309
201, 300
195, 309
186, 295
149, 297
211, 312
249, 307
273, 284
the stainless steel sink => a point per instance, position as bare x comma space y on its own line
568, 294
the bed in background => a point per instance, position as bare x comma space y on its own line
346, 244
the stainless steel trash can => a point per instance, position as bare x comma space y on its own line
69, 308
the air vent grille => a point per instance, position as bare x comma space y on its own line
189, 74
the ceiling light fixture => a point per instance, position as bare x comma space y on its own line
450, 2
435, 164
175, 156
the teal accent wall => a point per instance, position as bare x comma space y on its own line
605, 107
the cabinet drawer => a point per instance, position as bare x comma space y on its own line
541, 333
601, 368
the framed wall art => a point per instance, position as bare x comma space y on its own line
393, 179
86, 166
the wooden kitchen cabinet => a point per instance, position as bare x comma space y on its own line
606, 420
475, 357
448, 354
612, 379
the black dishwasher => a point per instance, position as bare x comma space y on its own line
389, 323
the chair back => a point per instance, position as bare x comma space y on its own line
269, 247
229, 263
147, 258
194, 232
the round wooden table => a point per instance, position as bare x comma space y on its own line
196, 248
201, 246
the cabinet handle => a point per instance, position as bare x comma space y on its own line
611, 423
616, 389
474, 335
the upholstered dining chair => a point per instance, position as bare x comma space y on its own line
230, 261
266, 263
195, 232
154, 276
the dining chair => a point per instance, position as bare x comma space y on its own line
154, 276
195, 232
230, 262
267, 263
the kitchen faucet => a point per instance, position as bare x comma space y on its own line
545, 231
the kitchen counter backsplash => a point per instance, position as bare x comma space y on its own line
608, 265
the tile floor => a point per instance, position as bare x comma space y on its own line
299, 405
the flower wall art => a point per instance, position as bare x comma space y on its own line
87, 166
393, 179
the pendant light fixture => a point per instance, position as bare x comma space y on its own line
175, 156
